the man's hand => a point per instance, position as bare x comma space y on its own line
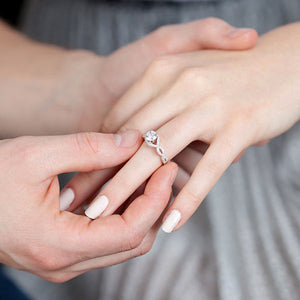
36, 236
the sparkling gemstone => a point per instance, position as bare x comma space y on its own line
151, 136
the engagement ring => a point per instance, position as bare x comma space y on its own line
152, 139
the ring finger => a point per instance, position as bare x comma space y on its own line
175, 136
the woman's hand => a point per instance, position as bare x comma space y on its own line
228, 100
58, 245
50, 90
188, 159
124, 66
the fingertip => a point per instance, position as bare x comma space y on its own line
162, 180
249, 37
128, 138
147, 208
174, 171
171, 221
169, 171
244, 38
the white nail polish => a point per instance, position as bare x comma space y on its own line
171, 221
97, 207
66, 198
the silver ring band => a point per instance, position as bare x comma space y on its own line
152, 139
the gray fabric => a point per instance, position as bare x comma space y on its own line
168, 0
243, 242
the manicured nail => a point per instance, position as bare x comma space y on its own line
171, 221
97, 207
127, 138
66, 198
236, 32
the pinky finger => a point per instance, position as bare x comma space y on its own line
213, 164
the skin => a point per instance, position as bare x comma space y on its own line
59, 245
213, 34
48, 90
228, 100
72, 90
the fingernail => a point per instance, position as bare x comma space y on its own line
66, 198
97, 207
171, 221
236, 32
127, 138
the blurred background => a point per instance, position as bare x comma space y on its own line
10, 11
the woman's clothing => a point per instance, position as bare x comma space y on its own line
243, 242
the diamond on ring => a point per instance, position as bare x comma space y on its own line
152, 139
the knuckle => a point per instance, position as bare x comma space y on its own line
107, 124
144, 248
193, 198
161, 66
164, 38
242, 116
133, 123
88, 177
52, 263
192, 75
87, 142
44, 259
241, 124
135, 239
49, 262
236, 160
213, 167
208, 23
163, 31
239, 157
57, 277
124, 182
262, 143
215, 108
26, 150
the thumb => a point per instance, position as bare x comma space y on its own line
81, 152
213, 33
210, 33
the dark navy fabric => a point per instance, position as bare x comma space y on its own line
8, 290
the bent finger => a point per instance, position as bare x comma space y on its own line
84, 239
83, 186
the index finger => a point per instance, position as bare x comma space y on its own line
118, 233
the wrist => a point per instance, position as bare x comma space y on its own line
270, 53
48, 89
27, 71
